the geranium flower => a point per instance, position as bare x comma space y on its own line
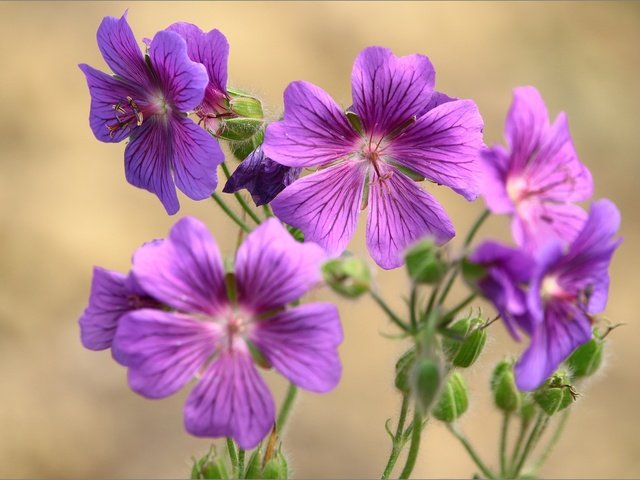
538, 177
146, 101
214, 325
398, 123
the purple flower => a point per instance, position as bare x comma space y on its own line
145, 101
539, 177
212, 331
566, 289
112, 295
506, 272
263, 177
405, 125
211, 50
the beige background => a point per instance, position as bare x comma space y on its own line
65, 206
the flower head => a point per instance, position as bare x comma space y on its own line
397, 125
146, 101
263, 177
213, 326
538, 177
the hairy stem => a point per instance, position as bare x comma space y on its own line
398, 440
285, 409
534, 436
390, 313
472, 453
230, 213
245, 206
552, 441
233, 454
503, 444
414, 447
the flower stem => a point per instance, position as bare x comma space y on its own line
518, 446
267, 211
233, 454
503, 444
239, 198
390, 313
534, 436
398, 440
285, 409
472, 453
414, 447
553, 441
240, 463
232, 215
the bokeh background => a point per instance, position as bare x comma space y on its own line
65, 206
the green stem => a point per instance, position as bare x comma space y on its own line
267, 211
285, 410
534, 436
412, 307
232, 215
240, 463
476, 226
414, 447
390, 313
518, 446
472, 453
245, 206
233, 454
503, 444
452, 313
553, 441
398, 441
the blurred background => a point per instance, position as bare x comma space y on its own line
65, 206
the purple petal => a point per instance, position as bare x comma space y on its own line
564, 328
263, 177
444, 146
494, 166
315, 131
400, 213
527, 121
196, 156
538, 223
163, 350
301, 344
211, 49
438, 98
272, 269
108, 301
231, 400
121, 52
547, 259
324, 205
106, 92
183, 80
388, 90
147, 161
185, 270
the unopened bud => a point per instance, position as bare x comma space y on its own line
506, 395
587, 358
453, 401
276, 467
472, 337
556, 394
239, 129
472, 271
348, 276
403, 367
425, 381
244, 105
527, 408
425, 263
254, 465
211, 466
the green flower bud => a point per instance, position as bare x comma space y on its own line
587, 358
254, 465
556, 394
348, 276
403, 367
425, 382
211, 466
244, 105
424, 263
276, 467
464, 352
453, 401
506, 395
239, 129
472, 272
242, 148
527, 408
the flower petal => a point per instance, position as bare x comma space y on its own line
211, 49
272, 269
108, 301
231, 400
527, 121
315, 131
400, 213
163, 350
121, 51
494, 166
388, 90
324, 205
147, 162
106, 92
564, 328
183, 80
444, 146
263, 177
185, 270
301, 344
196, 156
